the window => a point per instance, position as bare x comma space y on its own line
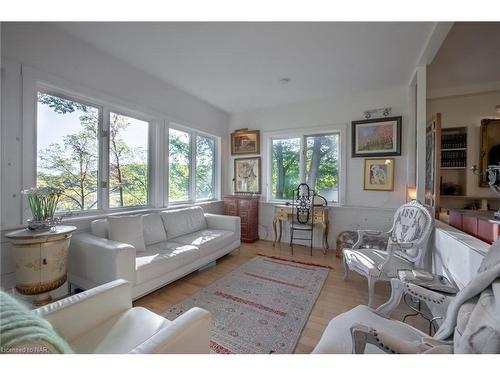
322, 165
192, 167
106, 157
68, 155
128, 161
67, 150
285, 167
205, 168
310, 158
179, 166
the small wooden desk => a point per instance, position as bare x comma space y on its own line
283, 212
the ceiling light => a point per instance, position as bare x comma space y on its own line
497, 108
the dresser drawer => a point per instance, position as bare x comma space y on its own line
318, 218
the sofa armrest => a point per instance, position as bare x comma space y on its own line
224, 222
188, 334
75, 315
99, 260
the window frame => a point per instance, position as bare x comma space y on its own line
341, 130
193, 134
105, 108
150, 158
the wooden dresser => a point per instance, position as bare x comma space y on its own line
247, 208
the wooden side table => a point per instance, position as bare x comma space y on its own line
283, 213
40, 258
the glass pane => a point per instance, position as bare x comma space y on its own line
128, 161
179, 165
67, 150
285, 167
205, 168
322, 167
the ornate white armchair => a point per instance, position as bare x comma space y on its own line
406, 247
471, 325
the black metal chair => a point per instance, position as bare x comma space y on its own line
303, 214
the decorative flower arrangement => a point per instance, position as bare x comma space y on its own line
43, 203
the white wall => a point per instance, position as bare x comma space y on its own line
43, 48
468, 110
361, 208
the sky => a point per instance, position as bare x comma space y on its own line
52, 127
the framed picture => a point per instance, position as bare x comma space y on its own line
244, 141
379, 174
247, 175
376, 137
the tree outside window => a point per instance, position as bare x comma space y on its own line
68, 154
320, 165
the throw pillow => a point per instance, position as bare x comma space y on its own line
127, 229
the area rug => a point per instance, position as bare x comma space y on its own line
259, 308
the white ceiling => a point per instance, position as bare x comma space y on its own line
237, 66
469, 55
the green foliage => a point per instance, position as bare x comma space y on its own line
285, 167
205, 156
179, 171
321, 165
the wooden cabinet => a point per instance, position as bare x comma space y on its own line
247, 208
479, 224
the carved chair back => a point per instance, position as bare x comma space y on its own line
410, 232
303, 204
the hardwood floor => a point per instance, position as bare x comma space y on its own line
336, 297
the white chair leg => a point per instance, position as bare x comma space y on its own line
346, 269
371, 290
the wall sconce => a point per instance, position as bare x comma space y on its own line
411, 193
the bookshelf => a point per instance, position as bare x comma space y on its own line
453, 161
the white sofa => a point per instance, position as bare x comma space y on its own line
178, 242
102, 320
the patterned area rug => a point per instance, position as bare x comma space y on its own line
259, 308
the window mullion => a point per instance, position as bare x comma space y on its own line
103, 180
192, 169
166, 157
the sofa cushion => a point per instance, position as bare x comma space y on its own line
183, 221
154, 231
208, 240
163, 257
127, 229
100, 228
122, 333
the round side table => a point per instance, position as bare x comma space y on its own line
40, 259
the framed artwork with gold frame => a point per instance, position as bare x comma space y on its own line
379, 174
244, 142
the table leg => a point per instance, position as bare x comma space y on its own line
281, 230
274, 230
326, 229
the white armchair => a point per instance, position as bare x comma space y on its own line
471, 325
406, 247
102, 320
